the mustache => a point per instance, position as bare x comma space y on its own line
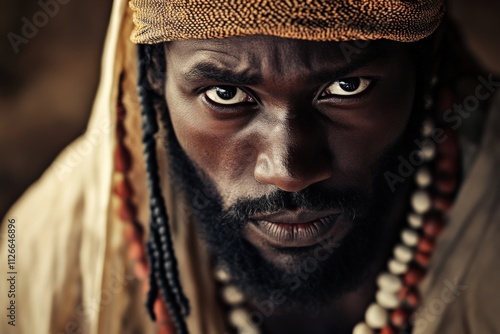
349, 202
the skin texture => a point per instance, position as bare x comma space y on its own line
287, 140
289, 135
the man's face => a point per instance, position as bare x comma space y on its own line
293, 137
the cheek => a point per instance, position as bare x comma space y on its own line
225, 156
378, 126
191, 129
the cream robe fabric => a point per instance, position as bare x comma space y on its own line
73, 275
468, 251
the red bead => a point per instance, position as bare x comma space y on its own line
414, 275
122, 189
446, 183
412, 299
166, 326
132, 234
423, 259
120, 130
164, 329
145, 286
433, 225
445, 100
126, 212
425, 245
449, 147
442, 202
387, 330
120, 110
141, 270
160, 311
410, 296
446, 165
399, 317
135, 251
122, 159
403, 292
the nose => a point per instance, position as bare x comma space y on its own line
294, 156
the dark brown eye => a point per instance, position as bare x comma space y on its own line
347, 86
227, 95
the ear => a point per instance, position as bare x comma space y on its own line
155, 76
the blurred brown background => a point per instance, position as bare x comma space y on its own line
47, 85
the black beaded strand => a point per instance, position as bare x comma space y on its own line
163, 272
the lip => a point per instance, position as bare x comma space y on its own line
299, 216
294, 229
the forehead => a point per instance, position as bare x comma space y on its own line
280, 55
258, 47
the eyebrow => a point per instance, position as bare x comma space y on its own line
210, 71
213, 72
358, 60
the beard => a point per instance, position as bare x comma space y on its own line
314, 276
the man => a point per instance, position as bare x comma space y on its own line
285, 154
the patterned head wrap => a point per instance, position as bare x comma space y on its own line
318, 20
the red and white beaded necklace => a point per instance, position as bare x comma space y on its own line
397, 296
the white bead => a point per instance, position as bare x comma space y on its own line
427, 152
434, 81
376, 316
389, 282
222, 275
232, 295
387, 299
420, 201
409, 237
248, 330
396, 267
362, 328
415, 220
427, 128
239, 317
423, 177
403, 254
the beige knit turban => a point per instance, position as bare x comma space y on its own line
319, 20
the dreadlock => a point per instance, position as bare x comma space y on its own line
163, 273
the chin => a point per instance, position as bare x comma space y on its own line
312, 276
